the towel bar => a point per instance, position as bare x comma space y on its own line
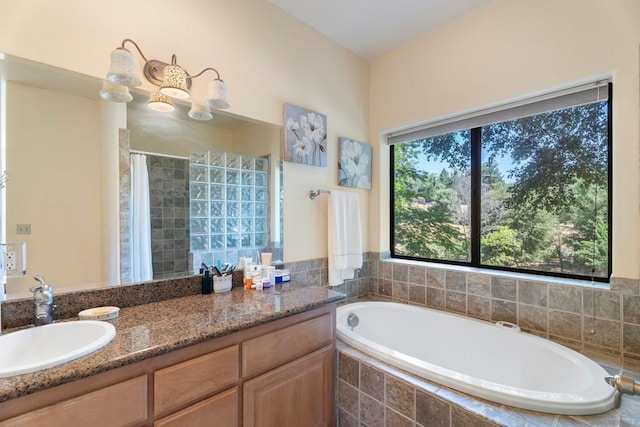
315, 193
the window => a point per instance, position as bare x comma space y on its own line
524, 188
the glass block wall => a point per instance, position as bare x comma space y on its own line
229, 202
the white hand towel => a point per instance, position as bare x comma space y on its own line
345, 240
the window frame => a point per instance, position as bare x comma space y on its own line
476, 172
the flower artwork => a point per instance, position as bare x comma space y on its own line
305, 136
354, 165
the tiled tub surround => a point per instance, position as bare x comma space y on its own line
156, 328
383, 395
370, 393
315, 272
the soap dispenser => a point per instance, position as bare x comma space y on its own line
206, 280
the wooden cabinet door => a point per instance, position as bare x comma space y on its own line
220, 410
299, 393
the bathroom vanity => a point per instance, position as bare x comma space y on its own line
241, 358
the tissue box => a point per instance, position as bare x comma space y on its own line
222, 283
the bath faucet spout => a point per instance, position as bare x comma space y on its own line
353, 320
624, 384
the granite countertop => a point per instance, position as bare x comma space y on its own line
153, 329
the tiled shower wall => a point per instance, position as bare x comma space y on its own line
169, 200
601, 322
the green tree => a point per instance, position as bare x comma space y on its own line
591, 230
423, 230
536, 230
540, 215
552, 151
500, 247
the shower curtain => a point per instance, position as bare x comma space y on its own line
141, 267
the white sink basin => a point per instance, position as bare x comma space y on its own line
45, 346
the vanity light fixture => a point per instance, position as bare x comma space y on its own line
200, 112
114, 92
173, 80
161, 102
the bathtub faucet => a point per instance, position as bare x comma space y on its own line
624, 384
353, 320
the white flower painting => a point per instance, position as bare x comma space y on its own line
305, 136
354, 165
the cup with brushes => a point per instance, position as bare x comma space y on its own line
222, 278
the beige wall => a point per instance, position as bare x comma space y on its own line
266, 57
504, 50
55, 179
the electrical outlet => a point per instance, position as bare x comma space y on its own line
10, 260
23, 228
14, 259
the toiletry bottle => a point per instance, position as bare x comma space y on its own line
247, 275
266, 258
271, 272
206, 282
256, 280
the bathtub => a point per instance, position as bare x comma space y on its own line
493, 362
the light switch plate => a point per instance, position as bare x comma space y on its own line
23, 228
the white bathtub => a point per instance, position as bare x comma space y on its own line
479, 358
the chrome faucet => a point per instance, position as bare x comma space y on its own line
624, 384
43, 299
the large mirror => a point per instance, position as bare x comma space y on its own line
214, 187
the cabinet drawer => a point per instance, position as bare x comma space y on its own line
121, 404
187, 381
276, 348
220, 410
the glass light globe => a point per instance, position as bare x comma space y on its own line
123, 70
161, 102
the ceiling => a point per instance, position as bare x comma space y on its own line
371, 28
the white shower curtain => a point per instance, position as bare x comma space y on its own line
141, 268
